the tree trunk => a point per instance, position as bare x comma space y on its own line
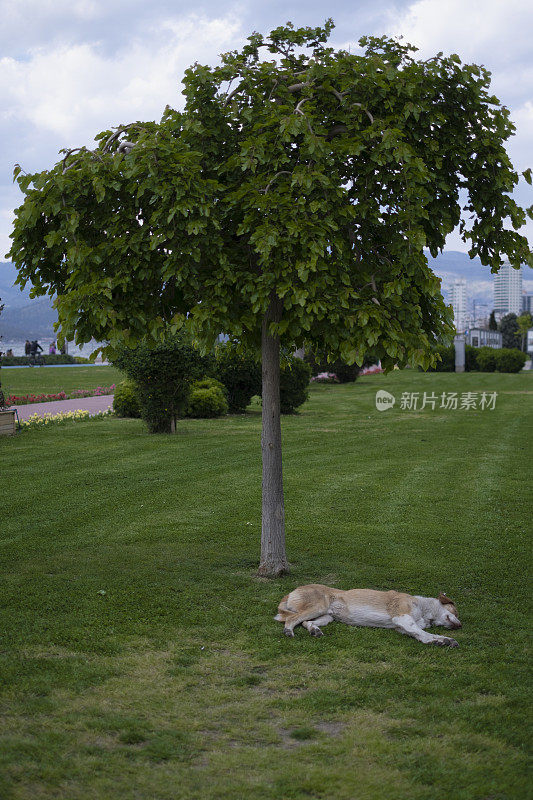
273, 559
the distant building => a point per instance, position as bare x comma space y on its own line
458, 302
507, 291
527, 303
482, 337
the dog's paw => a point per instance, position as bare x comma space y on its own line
316, 631
450, 642
288, 632
445, 641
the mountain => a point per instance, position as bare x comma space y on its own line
22, 317
32, 321
12, 296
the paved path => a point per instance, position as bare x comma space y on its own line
91, 404
53, 366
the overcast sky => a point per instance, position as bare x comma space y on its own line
71, 68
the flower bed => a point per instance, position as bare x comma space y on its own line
45, 420
26, 399
325, 377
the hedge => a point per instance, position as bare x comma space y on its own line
481, 359
24, 361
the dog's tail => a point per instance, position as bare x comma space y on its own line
283, 611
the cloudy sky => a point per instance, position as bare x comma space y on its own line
70, 68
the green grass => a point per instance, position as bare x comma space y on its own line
49, 380
139, 655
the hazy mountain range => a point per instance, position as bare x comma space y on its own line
25, 318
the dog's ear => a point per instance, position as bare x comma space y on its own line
445, 600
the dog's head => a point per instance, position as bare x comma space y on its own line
448, 617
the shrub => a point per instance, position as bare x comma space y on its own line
294, 384
486, 359
126, 400
471, 353
447, 359
206, 401
318, 363
163, 373
346, 373
210, 383
240, 374
23, 361
509, 360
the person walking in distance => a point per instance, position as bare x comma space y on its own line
35, 353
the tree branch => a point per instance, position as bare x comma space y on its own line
297, 87
337, 129
232, 94
338, 95
282, 172
69, 153
367, 112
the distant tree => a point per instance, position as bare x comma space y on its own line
493, 325
524, 322
510, 331
288, 205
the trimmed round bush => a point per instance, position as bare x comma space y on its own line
486, 359
210, 383
294, 384
508, 360
240, 374
126, 400
206, 402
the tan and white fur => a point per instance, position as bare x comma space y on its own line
316, 605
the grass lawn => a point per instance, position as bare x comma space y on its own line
139, 656
49, 380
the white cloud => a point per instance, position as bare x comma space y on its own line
74, 91
473, 28
488, 32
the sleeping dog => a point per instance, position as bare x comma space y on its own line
315, 605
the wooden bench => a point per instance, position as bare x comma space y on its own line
7, 423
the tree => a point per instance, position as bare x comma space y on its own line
524, 322
510, 331
288, 204
493, 325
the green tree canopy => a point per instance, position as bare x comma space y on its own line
510, 331
291, 200
524, 322
319, 175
